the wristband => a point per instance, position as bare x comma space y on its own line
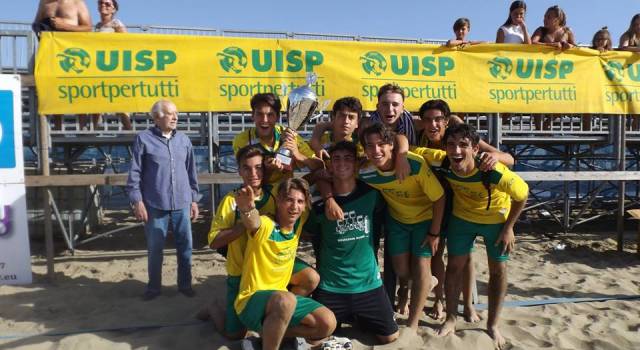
433, 234
325, 199
246, 212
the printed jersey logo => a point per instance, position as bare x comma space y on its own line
352, 222
74, 59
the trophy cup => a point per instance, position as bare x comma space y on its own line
301, 105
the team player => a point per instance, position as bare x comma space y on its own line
265, 112
227, 231
350, 283
486, 204
413, 218
263, 304
345, 116
436, 117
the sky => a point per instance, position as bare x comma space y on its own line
426, 19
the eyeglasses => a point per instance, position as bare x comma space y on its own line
108, 4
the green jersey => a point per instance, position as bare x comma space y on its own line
346, 259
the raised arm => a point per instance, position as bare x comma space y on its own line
494, 155
316, 139
249, 215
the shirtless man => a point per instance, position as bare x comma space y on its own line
62, 16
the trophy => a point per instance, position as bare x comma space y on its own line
301, 105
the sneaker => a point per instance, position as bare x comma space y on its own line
189, 293
149, 295
337, 343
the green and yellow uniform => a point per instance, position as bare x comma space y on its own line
473, 212
249, 137
267, 267
226, 217
409, 203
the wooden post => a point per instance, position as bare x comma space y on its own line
620, 144
635, 215
46, 194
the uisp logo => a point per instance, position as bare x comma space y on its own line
74, 59
233, 59
373, 62
529, 68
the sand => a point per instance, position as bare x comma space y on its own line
95, 302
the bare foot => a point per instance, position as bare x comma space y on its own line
217, 314
498, 340
470, 314
448, 327
403, 300
437, 311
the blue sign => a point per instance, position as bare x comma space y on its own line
7, 142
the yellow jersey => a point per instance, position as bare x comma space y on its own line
227, 216
268, 259
470, 195
412, 200
249, 137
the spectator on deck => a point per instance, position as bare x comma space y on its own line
554, 32
61, 16
110, 24
630, 40
461, 28
514, 29
602, 42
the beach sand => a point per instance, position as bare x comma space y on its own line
96, 303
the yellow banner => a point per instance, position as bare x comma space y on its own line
99, 72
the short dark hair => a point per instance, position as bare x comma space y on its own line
462, 130
387, 135
247, 152
295, 184
440, 105
115, 4
461, 22
344, 146
268, 99
351, 103
390, 88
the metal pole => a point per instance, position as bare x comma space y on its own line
565, 187
495, 129
212, 194
621, 150
47, 198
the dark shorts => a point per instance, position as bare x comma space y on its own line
253, 314
371, 309
232, 324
